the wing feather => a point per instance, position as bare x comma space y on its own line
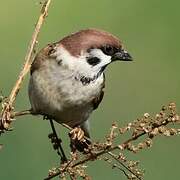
97, 100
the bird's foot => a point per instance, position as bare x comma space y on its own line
77, 133
78, 140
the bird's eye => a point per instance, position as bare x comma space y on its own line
93, 61
108, 50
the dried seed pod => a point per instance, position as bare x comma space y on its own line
146, 115
149, 142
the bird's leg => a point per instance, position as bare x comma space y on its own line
57, 142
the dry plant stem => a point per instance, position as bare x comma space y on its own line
122, 164
65, 168
123, 145
8, 107
115, 165
21, 113
52, 176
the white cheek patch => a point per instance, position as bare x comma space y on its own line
79, 64
105, 59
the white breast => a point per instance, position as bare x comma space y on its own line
57, 93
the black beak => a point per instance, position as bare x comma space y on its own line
122, 55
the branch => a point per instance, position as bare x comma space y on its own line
116, 166
7, 107
21, 113
145, 126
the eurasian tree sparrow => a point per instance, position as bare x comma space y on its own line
67, 77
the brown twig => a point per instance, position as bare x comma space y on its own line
122, 146
115, 165
63, 170
21, 113
171, 118
5, 119
123, 165
89, 158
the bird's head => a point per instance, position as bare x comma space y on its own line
86, 52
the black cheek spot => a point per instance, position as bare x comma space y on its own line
93, 61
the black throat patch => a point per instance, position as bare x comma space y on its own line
87, 80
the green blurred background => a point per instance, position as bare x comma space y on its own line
150, 31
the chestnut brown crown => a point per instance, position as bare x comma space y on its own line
87, 39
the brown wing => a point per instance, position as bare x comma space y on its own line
97, 100
42, 55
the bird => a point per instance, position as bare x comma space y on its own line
67, 78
